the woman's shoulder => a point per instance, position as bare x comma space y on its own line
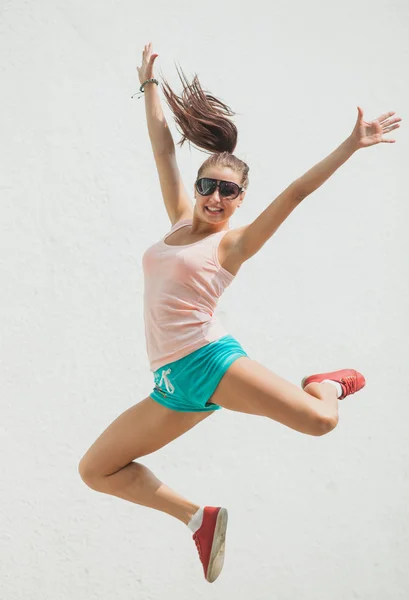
232, 238
229, 253
180, 222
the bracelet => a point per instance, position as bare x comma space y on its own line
141, 90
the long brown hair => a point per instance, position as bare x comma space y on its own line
204, 122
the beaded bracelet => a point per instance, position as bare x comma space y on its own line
141, 90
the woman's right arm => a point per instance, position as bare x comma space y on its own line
159, 133
177, 202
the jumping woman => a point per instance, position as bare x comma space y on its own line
198, 368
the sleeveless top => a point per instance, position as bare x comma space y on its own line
182, 287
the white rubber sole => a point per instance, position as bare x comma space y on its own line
218, 547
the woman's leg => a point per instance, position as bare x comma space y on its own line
249, 387
142, 429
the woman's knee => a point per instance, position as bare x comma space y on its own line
326, 424
89, 474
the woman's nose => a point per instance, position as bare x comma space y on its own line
216, 194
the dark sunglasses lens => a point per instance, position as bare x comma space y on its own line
206, 186
228, 189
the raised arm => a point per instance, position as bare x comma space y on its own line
255, 235
175, 196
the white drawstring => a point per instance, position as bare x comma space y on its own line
168, 384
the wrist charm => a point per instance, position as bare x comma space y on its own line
141, 90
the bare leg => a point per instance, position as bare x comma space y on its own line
136, 483
142, 429
249, 387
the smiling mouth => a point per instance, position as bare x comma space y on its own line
213, 212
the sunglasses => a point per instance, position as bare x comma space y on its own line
227, 189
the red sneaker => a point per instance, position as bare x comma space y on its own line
351, 381
210, 541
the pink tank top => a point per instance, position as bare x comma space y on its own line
182, 287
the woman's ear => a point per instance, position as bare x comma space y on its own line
241, 199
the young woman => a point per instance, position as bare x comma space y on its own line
198, 368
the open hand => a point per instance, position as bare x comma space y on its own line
368, 134
145, 71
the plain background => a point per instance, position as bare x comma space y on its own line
310, 518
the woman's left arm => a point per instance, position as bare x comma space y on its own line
251, 238
363, 135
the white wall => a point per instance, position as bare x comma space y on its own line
310, 518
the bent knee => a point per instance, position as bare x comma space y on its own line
89, 474
326, 424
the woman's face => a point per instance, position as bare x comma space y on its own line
223, 208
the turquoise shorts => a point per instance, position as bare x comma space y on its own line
187, 384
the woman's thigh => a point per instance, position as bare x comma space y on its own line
249, 387
140, 430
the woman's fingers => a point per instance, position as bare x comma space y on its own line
145, 55
147, 52
391, 121
390, 128
385, 116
